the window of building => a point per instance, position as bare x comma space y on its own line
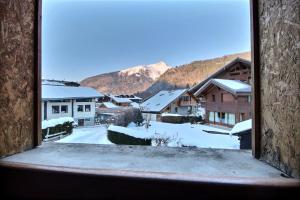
55, 109
242, 117
217, 117
80, 108
213, 98
211, 117
176, 109
87, 108
222, 117
222, 97
231, 119
64, 109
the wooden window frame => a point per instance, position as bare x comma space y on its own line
255, 76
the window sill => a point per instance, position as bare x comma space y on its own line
204, 168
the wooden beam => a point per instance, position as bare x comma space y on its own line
255, 70
37, 135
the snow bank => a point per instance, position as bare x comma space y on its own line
181, 135
131, 132
54, 122
170, 114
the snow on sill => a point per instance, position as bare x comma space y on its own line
161, 160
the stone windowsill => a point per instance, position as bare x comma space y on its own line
154, 162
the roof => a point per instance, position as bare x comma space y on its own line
161, 100
221, 70
233, 86
128, 96
50, 92
120, 99
110, 105
241, 127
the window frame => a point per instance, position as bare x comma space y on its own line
255, 77
65, 106
82, 108
53, 110
85, 108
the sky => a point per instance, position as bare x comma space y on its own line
82, 38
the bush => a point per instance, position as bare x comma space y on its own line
181, 119
66, 127
123, 139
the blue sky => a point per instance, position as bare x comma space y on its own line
82, 38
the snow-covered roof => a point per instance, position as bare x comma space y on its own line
53, 122
232, 86
161, 100
220, 71
241, 127
65, 92
110, 105
135, 105
120, 99
128, 96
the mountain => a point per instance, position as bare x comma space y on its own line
189, 74
128, 81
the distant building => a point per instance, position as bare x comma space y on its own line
124, 100
107, 105
120, 101
132, 98
173, 101
65, 101
226, 101
226, 94
237, 69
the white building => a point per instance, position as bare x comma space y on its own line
64, 101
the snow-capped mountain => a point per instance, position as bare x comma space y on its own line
153, 70
127, 81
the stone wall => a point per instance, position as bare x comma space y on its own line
280, 83
16, 75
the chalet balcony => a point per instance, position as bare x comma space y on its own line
228, 106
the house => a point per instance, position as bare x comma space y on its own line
226, 101
65, 101
173, 101
243, 130
120, 101
107, 105
132, 98
237, 69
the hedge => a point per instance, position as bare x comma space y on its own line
181, 119
66, 127
121, 138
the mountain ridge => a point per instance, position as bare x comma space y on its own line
136, 80
127, 81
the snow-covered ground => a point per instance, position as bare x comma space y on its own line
88, 135
182, 135
177, 134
